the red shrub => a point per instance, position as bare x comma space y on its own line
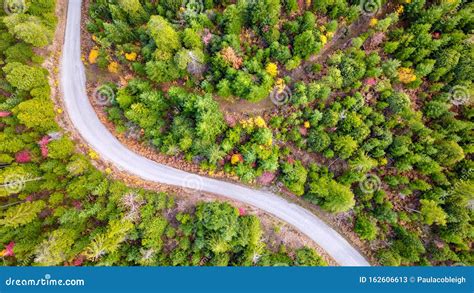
23, 157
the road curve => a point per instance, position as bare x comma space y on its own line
85, 120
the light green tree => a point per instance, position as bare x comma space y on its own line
25, 77
432, 213
36, 113
166, 38
56, 249
22, 214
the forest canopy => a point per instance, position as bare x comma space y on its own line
57, 209
371, 114
363, 111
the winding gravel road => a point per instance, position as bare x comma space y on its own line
109, 148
